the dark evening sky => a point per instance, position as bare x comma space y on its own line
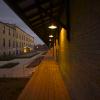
8, 16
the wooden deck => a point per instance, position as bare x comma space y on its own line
46, 83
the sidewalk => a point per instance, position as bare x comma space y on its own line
46, 83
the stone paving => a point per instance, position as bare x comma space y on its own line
19, 70
46, 83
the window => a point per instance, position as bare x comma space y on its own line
4, 29
14, 52
17, 35
16, 44
9, 53
9, 30
20, 45
4, 53
13, 32
22, 37
9, 43
13, 44
3, 42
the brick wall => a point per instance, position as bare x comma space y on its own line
85, 49
83, 75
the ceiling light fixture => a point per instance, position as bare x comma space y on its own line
52, 27
51, 36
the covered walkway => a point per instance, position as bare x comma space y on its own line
46, 83
76, 45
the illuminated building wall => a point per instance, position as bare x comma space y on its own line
13, 40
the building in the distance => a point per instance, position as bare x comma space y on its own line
14, 41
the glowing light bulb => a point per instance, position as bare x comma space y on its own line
52, 27
50, 36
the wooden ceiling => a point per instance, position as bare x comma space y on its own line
39, 14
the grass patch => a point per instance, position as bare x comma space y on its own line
11, 57
9, 65
35, 62
7, 58
10, 88
27, 55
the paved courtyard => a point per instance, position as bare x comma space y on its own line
19, 70
46, 83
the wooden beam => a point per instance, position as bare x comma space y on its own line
56, 19
34, 5
40, 24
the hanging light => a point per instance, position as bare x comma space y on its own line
51, 36
52, 26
